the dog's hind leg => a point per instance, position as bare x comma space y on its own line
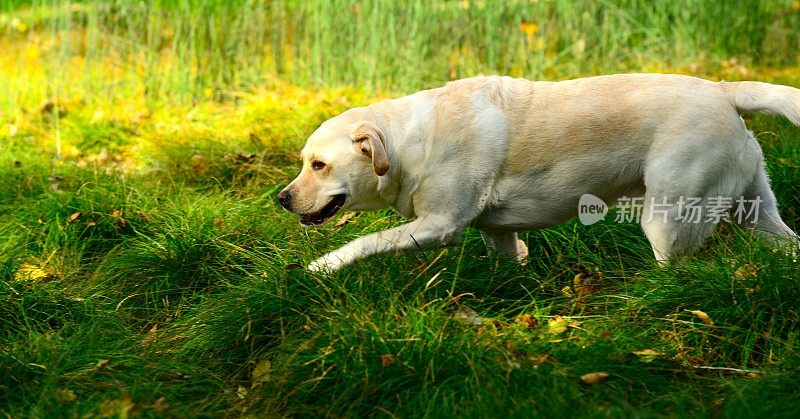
506, 245
758, 210
670, 229
701, 161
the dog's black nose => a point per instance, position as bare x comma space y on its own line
285, 198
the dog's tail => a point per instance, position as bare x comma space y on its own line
753, 96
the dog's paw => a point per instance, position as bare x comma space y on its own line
326, 264
522, 253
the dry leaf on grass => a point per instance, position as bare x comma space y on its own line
143, 215
161, 405
467, 315
261, 372
152, 334
118, 214
387, 360
527, 320
746, 271
117, 408
556, 325
65, 396
539, 359
648, 355
199, 165
345, 219
594, 377
74, 217
702, 316
584, 285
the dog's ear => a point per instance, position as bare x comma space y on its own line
369, 140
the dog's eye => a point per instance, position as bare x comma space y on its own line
317, 165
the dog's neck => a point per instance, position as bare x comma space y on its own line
400, 123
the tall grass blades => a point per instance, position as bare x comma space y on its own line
182, 51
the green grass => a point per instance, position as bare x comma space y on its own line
164, 295
147, 270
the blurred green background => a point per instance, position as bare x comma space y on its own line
178, 50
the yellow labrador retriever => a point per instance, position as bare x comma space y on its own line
504, 155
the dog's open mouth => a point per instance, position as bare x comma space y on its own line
325, 213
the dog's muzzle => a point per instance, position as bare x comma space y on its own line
328, 211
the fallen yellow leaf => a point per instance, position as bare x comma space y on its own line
260, 373
345, 219
586, 284
594, 377
161, 405
746, 271
539, 359
151, 336
74, 217
527, 320
387, 360
65, 396
556, 325
648, 355
199, 165
119, 408
702, 316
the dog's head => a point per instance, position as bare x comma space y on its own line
342, 162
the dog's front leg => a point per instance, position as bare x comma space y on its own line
424, 232
505, 245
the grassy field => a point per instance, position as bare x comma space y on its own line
147, 270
